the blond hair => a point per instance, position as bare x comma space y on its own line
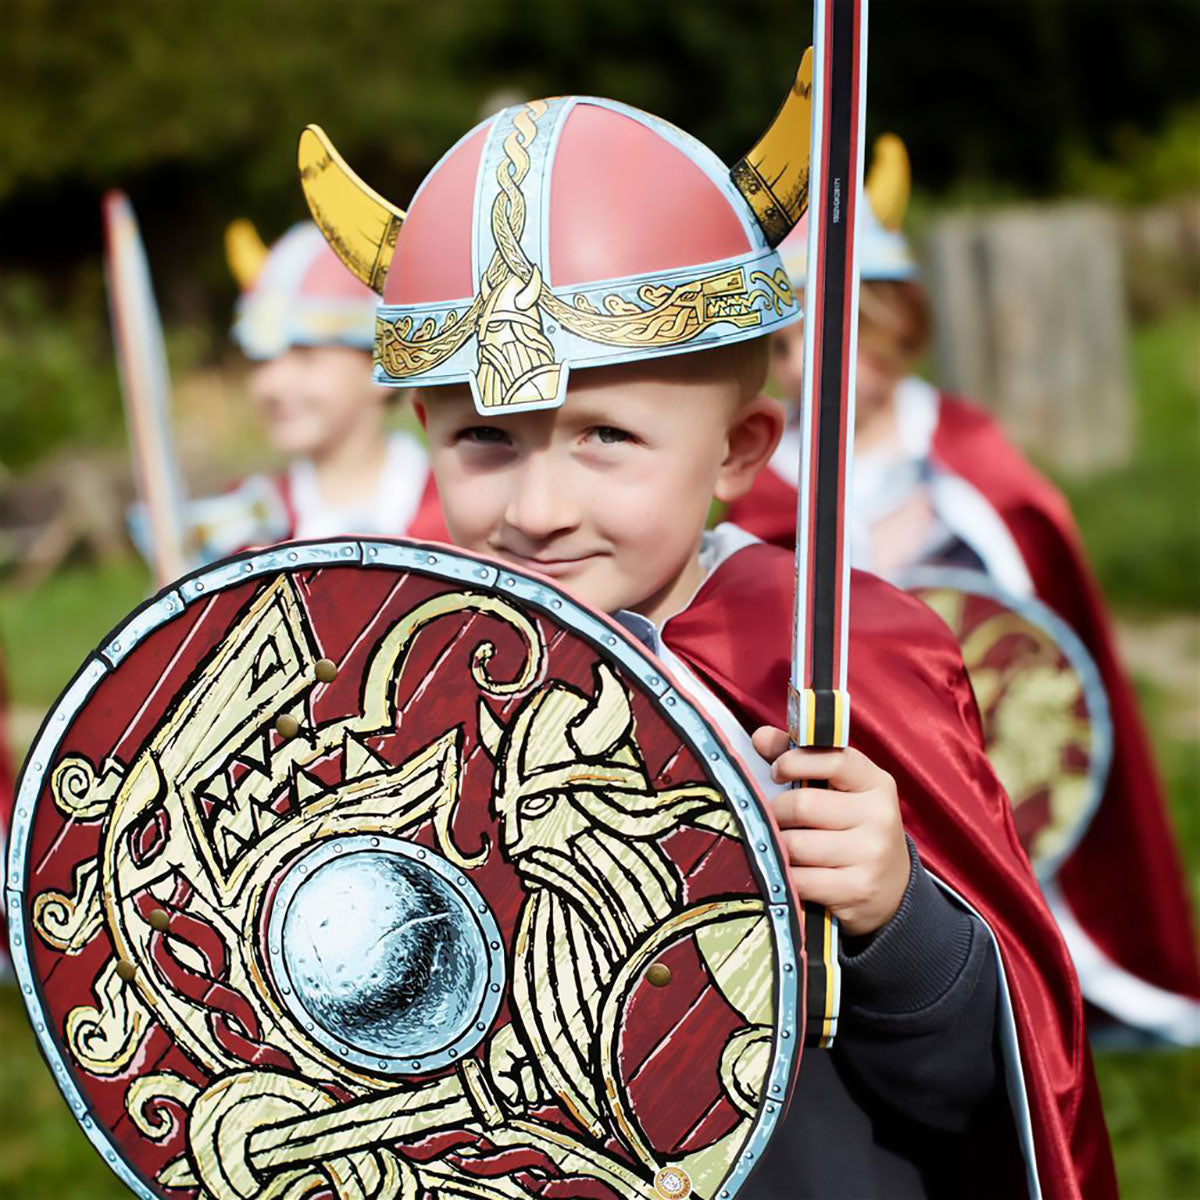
742, 363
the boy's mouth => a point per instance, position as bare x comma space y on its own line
557, 567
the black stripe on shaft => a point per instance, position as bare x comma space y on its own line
825, 717
817, 980
841, 92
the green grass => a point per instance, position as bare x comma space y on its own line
46, 633
1152, 1098
1141, 523
1151, 1109
43, 1152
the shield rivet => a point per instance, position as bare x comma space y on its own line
125, 971
326, 670
158, 920
659, 975
673, 1183
287, 726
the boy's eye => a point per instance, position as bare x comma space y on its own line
486, 435
610, 435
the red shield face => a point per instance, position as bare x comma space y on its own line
1045, 715
366, 869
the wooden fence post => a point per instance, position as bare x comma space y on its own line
1031, 320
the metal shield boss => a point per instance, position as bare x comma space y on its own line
371, 870
1045, 713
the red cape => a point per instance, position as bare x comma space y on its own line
914, 714
428, 524
1144, 925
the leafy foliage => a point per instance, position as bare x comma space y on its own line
194, 106
60, 381
1141, 168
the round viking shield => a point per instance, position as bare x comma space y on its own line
373, 870
1045, 713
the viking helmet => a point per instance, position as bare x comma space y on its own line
296, 293
883, 251
567, 233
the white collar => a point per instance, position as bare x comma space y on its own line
389, 512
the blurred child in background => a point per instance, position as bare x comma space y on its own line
936, 481
309, 326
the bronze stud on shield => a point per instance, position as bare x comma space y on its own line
326, 670
126, 971
659, 975
287, 726
158, 920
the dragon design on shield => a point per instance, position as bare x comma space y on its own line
368, 996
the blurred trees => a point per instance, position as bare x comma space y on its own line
194, 107
60, 381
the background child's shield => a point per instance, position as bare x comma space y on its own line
370, 870
1045, 713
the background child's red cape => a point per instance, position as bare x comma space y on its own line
914, 714
1144, 925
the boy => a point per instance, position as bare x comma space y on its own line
936, 481
547, 293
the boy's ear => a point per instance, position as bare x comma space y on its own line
753, 435
419, 408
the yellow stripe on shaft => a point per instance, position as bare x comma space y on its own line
827, 953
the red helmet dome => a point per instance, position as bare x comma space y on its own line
569, 232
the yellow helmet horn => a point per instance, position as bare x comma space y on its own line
359, 224
889, 181
245, 252
773, 177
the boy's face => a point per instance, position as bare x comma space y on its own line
311, 398
610, 493
875, 382
787, 360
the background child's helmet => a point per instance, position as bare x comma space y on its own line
570, 232
883, 251
296, 294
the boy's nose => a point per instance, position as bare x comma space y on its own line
542, 503
271, 378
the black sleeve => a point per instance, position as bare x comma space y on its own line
918, 1025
